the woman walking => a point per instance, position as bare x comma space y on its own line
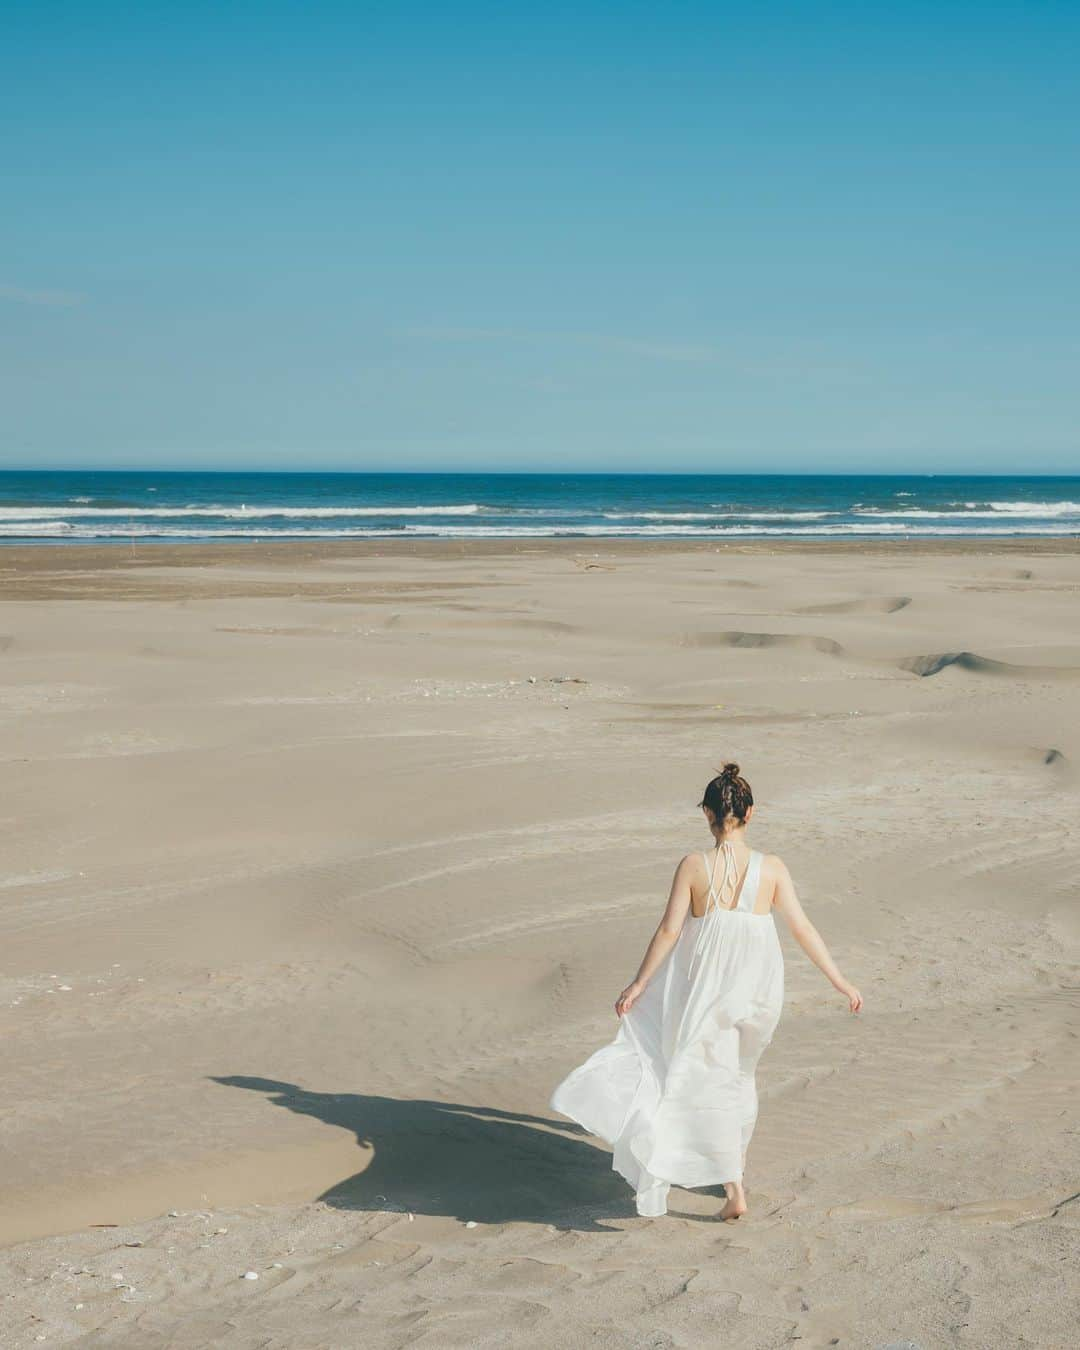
674, 1093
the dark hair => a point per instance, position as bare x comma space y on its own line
728, 795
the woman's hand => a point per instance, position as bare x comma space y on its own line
852, 995
627, 998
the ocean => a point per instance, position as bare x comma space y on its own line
79, 506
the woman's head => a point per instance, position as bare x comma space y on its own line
728, 801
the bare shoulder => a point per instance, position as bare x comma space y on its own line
691, 865
774, 872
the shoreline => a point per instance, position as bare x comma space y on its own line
122, 552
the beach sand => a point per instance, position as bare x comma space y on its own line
323, 864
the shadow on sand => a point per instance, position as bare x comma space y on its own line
467, 1162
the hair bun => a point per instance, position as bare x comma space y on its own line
728, 796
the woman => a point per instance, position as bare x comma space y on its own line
674, 1093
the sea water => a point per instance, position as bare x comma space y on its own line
78, 506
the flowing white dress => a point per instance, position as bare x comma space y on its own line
674, 1093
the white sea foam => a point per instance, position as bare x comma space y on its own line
228, 512
1037, 508
147, 532
839, 528
729, 514
975, 511
918, 514
95, 521
33, 529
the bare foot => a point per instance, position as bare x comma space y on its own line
735, 1207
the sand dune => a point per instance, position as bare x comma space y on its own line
324, 864
983, 665
871, 604
809, 641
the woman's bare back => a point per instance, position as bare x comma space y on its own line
706, 866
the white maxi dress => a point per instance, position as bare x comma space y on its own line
674, 1093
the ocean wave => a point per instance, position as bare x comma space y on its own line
562, 519
1041, 508
213, 512
147, 532
729, 514
32, 529
918, 513
974, 510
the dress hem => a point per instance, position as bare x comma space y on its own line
644, 1167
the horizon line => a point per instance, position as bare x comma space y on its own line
540, 473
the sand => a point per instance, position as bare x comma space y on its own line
323, 864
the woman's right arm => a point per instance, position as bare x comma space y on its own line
665, 937
807, 936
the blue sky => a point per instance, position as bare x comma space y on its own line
692, 236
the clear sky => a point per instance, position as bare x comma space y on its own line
708, 236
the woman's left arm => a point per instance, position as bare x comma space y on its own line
665, 937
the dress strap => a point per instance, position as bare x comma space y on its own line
751, 882
712, 900
710, 896
725, 895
